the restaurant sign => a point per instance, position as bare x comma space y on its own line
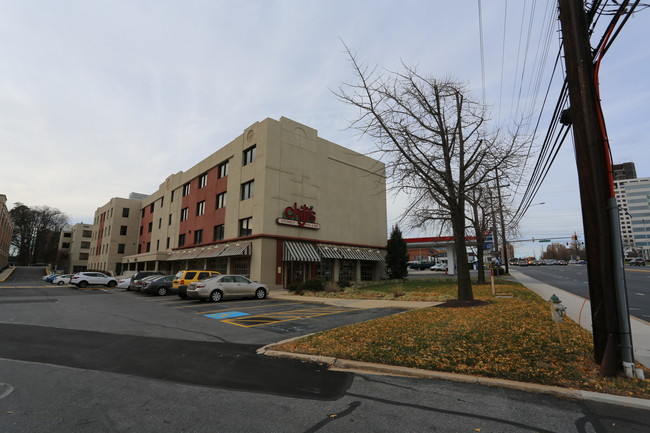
303, 216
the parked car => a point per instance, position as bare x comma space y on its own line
226, 286
184, 278
62, 279
85, 279
158, 285
637, 261
439, 267
137, 286
123, 283
49, 278
419, 266
140, 275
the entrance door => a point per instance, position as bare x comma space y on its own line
294, 272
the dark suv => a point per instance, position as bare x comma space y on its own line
638, 261
140, 275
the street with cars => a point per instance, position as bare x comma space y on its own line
109, 359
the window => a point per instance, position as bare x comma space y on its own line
221, 200
141, 213
120, 248
246, 226
181, 240
158, 245
148, 246
141, 230
162, 201
65, 245
167, 243
125, 212
203, 180
83, 256
222, 170
151, 207
183, 214
123, 230
242, 266
218, 233
249, 155
171, 199
200, 208
247, 190
87, 233
67, 235
150, 227
159, 222
198, 237
186, 189
85, 245
139, 249
170, 220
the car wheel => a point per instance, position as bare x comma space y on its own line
60, 283
216, 296
83, 284
162, 291
260, 293
111, 284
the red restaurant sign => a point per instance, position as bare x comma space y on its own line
303, 216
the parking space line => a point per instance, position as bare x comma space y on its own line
228, 307
285, 316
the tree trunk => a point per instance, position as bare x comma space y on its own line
464, 281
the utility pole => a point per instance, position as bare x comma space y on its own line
504, 250
592, 165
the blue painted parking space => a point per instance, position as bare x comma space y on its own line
226, 315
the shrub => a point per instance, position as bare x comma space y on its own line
344, 283
293, 287
332, 287
312, 286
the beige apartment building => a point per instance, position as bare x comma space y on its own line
115, 233
6, 232
278, 203
74, 248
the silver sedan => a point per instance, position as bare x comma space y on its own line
226, 286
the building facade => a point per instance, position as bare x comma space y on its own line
6, 232
633, 198
74, 248
278, 203
115, 233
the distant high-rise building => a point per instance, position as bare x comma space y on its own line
626, 170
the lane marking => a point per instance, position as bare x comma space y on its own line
286, 316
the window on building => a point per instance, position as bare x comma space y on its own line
198, 237
325, 269
203, 180
85, 245
170, 220
249, 155
123, 230
186, 189
184, 214
151, 207
141, 213
162, 201
367, 270
246, 226
139, 249
150, 227
171, 198
242, 266
181, 240
158, 245
159, 222
83, 256
167, 243
120, 248
148, 246
125, 212
222, 170
65, 245
141, 230
200, 208
87, 233
218, 233
247, 190
221, 200
67, 235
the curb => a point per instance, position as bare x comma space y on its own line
8, 274
336, 364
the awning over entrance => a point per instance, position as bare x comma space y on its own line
209, 252
351, 254
177, 255
300, 252
240, 249
192, 254
372, 255
328, 252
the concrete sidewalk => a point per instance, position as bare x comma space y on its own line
352, 303
579, 310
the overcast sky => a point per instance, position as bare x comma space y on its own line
102, 98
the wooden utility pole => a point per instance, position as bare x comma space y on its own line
591, 161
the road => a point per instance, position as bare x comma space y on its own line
573, 279
113, 361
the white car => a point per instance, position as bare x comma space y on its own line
62, 279
85, 279
439, 267
226, 286
123, 283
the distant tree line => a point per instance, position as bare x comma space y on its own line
36, 233
560, 252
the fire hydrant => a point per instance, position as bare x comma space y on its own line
557, 309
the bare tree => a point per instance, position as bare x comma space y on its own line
36, 232
433, 140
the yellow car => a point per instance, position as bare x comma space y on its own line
184, 278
